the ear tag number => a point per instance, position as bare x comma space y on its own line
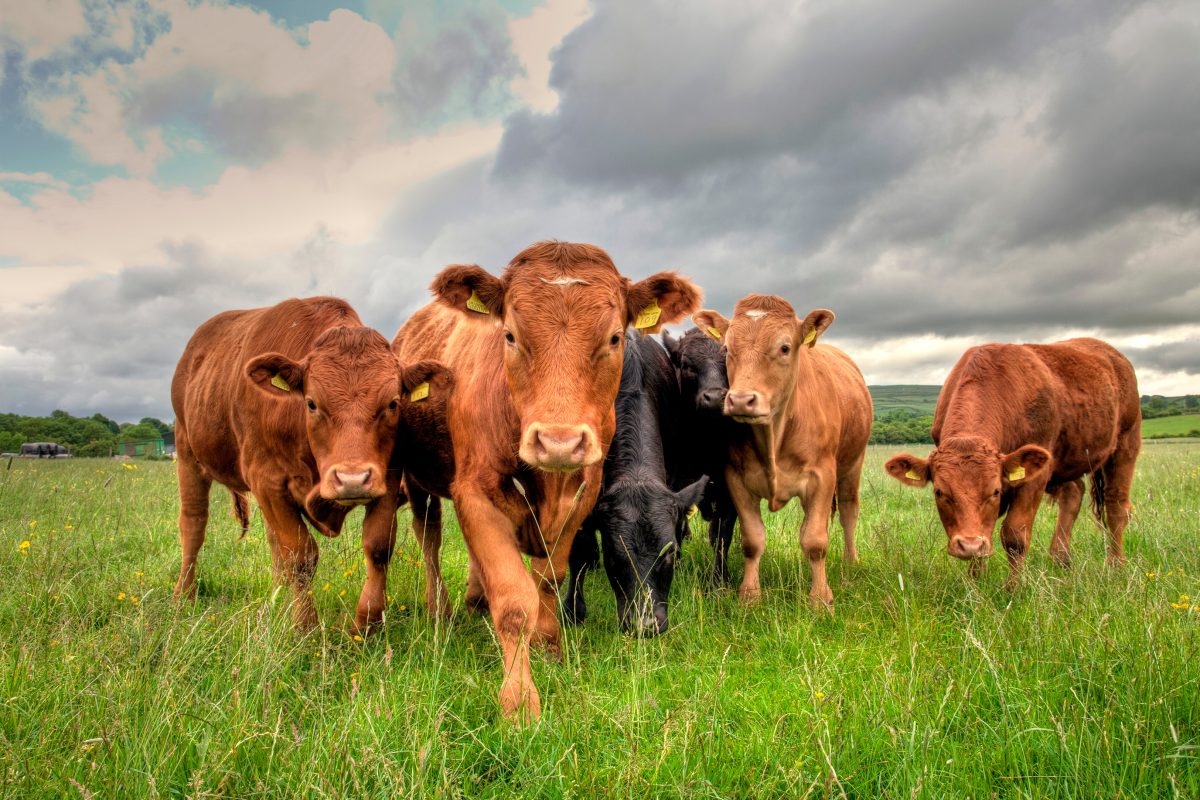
279, 383
811, 337
420, 393
1017, 474
912, 475
713, 332
648, 317
475, 304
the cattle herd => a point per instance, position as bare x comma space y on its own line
538, 403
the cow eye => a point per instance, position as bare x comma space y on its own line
937, 492
508, 337
787, 348
996, 493
312, 405
392, 406
615, 340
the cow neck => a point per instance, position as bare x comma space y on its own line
970, 414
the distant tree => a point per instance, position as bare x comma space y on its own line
112, 425
139, 432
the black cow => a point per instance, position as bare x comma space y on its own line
639, 517
705, 435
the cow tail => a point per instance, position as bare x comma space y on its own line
241, 510
1098, 496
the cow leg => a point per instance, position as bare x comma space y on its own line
378, 542
720, 536
1069, 497
1118, 484
511, 596
814, 534
475, 600
427, 527
585, 554
847, 501
1018, 527
549, 573
194, 487
295, 554
754, 538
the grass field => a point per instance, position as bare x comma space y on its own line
917, 398
924, 684
1179, 425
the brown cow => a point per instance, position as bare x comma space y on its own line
1016, 420
809, 416
299, 404
536, 355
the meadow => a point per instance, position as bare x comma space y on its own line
924, 683
1177, 425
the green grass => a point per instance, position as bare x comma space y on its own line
1178, 425
917, 398
925, 683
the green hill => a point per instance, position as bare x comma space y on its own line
917, 398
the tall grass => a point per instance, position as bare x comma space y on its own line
923, 683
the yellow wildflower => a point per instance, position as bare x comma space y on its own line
357, 638
33, 523
819, 695
342, 593
23, 545
120, 595
325, 588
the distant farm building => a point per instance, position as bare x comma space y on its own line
141, 448
44, 450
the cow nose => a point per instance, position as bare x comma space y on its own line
742, 404
559, 447
352, 483
970, 547
712, 398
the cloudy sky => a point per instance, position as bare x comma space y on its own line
939, 173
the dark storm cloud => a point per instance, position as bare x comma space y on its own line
1181, 356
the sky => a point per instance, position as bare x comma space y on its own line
940, 174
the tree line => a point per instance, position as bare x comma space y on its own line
96, 435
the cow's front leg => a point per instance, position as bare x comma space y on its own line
1017, 528
378, 541
427, 527
550, 573
294, 552
814, 533
511, 595
754, 536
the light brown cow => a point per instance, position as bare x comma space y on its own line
299, 404
536, 355
1016, 420
809, 418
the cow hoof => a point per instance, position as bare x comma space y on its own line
1116, 562
1062, 560
438, 606
520, 705
821, 601
851, 557
1012, 583
750, 595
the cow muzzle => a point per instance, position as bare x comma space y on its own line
352, 484
747, 407
559, 448
711, 400
970, 547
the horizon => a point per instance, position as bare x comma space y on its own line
1027, 173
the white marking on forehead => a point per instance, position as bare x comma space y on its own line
564, 281
755, 314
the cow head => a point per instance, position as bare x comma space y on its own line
764, 345
971, 479
561, 310
348, 387
640, 520
698, 358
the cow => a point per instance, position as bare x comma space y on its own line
536, 355
298, 404
639, 517
706, 434
1015, 421
809, 416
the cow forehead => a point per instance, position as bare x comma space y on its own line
749, 328
959, 460
564, 301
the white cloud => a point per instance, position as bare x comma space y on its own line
534, 39
41, 27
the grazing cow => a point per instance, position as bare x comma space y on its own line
639, 517
809, 416
299, 404
706, 435
536, 355
1016, 420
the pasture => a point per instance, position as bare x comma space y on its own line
923, 684
1178, 425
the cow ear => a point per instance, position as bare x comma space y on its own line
691, 494
470, 289
277, 375
1024, 464
909, 470
814, 325
712, 323
419, 379
662, 299
671, 345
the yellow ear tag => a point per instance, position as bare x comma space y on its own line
475, 304
648, 317
713, 332
420, 393
279, 383
693, 511
912, 475
1017, 474
811, 337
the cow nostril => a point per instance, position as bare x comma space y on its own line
353, 478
